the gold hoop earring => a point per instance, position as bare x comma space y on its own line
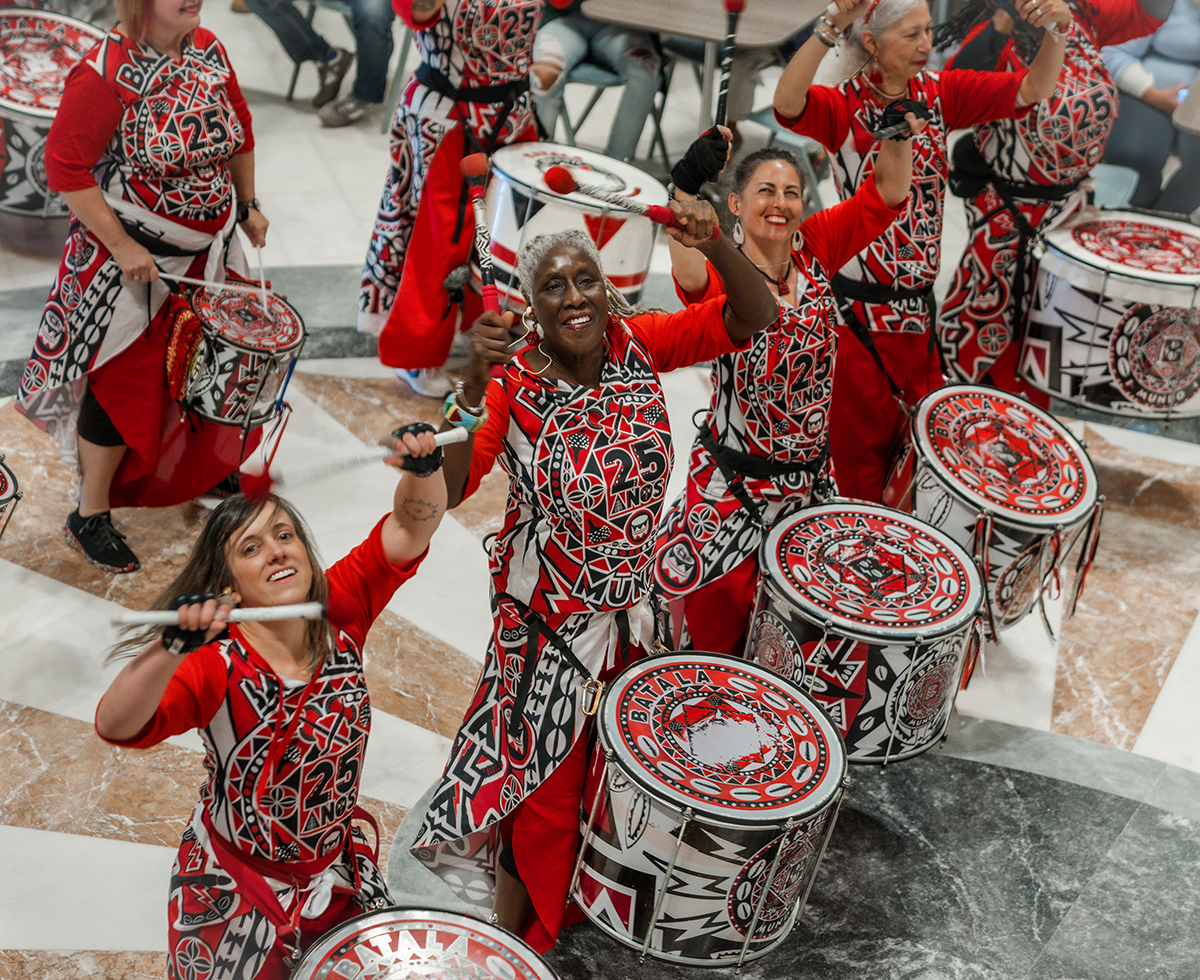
531, 325
546, 366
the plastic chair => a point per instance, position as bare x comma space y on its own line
1114, 185
802, 145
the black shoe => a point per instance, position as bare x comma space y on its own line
99, 542
330, 74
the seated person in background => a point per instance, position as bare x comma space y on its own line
1151, 72
565, 38
372, 20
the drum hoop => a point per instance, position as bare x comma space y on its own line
13, 490
580, 201
84, 27
212, 330
670, 799
1062, 240
980, 504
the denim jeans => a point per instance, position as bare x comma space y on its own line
574, 38
372, 25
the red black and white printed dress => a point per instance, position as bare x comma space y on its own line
1033, 168
272, 828
424, 228
768, 422
156, 135
886, 291
571, 577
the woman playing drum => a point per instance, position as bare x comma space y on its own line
887, 358
470, 91
152, 150
763, 448
269, 861
1023, 175
578, 419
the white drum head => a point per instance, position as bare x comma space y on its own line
1134, 245
526, 164
37, 49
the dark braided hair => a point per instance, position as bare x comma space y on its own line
1026, 38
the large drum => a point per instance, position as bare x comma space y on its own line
1114, 324
37, 49
1009, 484
520, 206
411, 943
244, 360
10, 495
873, 613
710, 809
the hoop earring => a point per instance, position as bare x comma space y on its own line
546, 366
531, 326
739, 234
797, 240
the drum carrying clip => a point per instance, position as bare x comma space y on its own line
592, 689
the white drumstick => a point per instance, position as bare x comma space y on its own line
262, 280
238, 287
255, 614
369, 455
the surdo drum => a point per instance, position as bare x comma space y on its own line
520, 207
710, 809
244, 359
404, 943
37, 49
873, 613
1114, 324
1012, 486
10, 495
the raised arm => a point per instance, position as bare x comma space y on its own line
1055, 16
703, 161
893, 165
419, 502
791, 93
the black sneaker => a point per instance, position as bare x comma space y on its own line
330, 74
99, 542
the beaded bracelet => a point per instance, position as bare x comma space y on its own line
837, 31
824, 40
471, 419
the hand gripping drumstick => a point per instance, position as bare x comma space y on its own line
255, 614
733, 10
559, 180
474, 169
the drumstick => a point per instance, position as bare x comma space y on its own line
895, 130
559, 180
262, 280
474, 169
255, 614
733, 10
214, 285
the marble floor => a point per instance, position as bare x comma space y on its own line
1056, 834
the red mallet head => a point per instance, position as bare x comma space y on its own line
735, 6
474, 165
559, 180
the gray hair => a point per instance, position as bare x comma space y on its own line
534, 252
886, 15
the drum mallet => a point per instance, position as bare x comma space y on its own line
260, 484
733, 10
474, 170
559, 180
254, 614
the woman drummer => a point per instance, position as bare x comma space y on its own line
887, 355
578, 420
152, 150
763, 448
269, 861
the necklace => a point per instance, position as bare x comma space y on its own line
884, 98
780, 281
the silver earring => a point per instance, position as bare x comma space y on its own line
797, 240
739, 235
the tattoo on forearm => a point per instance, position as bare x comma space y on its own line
419, 510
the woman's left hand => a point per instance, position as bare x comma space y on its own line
694, 222
255, 227
416, 449
1046, 13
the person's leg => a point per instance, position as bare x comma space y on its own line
373, 39
1182, 193
97, 466
631, 55
743, 80
1141, 139
557, 48
299, 39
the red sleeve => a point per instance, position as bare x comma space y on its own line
242, 111
712, 288
403, 9
192, 697
695, 333
838, 233
488, 441
85, 122
363, 583
972, 97
1118, 21
826, 117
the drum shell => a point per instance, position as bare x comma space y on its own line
905, 690
630, 845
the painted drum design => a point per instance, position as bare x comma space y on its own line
873, 613
37, 49
1114, 323
520, 206
420, 943
710, 809
10, 495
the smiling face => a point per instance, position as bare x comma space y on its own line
570, 303
172, 18
770, 205
904, 49
268, 561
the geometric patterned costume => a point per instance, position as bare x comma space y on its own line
571, 575
483, 48
770, 403
156, 135
1050, 150
888, 286
269, 861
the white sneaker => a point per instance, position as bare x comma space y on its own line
430, 382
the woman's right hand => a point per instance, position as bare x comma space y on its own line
199, 619
491, 340
136, 262
848, 12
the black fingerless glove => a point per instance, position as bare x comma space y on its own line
893, 115
420, 465
702, 162
178, 640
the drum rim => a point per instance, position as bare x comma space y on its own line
961, 493
87, 28
13, 487
857, 631
1062, 241
518, 150
211, 331
816, 803
343, 930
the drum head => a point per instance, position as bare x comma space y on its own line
37, 49
1135, 245
875, 574
405, 943
237, 315
733, 741
1000, 454
8, 485
527, 163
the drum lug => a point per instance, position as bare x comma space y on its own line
593, 688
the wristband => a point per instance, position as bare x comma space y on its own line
471, 419
244, 209
176, 639
420, 465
